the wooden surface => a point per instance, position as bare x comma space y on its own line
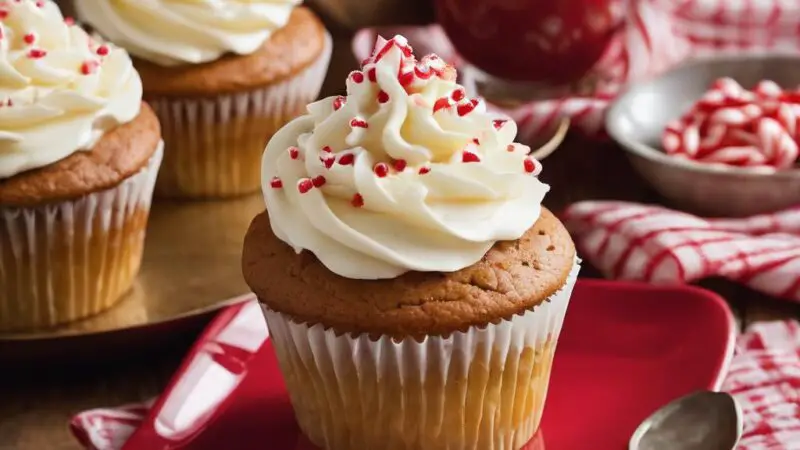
41, 387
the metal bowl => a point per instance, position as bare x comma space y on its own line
637, 119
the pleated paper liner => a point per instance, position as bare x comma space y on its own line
64, 261
214, 145
481, 389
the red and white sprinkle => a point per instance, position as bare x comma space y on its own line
469, 157
383, 97
347, 159
318, 181
359, 123
36, 53
305, 185
338, 102
381, 170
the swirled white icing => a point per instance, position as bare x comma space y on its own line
404, 173
60, 90
174, 32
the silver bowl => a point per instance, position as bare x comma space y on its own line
637, 119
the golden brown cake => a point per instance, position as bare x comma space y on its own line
513, 277
221, 84
414, 286
76, 182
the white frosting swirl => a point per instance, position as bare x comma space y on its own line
405, 173
60, 91
173, 32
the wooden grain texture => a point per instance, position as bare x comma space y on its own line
39, 393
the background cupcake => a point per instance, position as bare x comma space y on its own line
79, 153
415, 287
222, 76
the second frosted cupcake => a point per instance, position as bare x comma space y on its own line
222, 76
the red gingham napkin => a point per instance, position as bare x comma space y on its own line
764, 377
658, 245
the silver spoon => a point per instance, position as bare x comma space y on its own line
699, 421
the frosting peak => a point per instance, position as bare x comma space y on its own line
404, 173
60, 90
174, 32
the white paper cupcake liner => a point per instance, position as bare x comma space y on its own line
483, 389
214, 145
64, 261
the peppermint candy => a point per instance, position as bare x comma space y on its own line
738, 127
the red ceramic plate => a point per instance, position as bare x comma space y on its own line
626, 349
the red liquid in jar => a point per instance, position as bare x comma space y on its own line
552, 41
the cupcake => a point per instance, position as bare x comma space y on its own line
79, 153
414, 285
222, 76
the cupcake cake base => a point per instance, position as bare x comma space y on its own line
64, 261
481, 389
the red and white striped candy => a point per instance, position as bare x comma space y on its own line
734, 126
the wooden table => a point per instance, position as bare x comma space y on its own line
37, 400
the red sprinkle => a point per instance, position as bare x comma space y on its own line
381, 170
3, 13
40, 3
358, 77
358, 123
347, 159
383, 97
89, 67
327, 161
405, 78
294, 152
276, 183
424, 170
499, 123
29, 38
327, 149
357, 201
36, 53
476, 141
467, 108
319, 181
102, 50
442, 103
469, 157
529, 165
458, 95
372, 75
10, 102
338, 102
69, 21
400, 165
511, 148
305, 185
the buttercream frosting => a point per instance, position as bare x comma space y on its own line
405, 173
174, 32
60, 90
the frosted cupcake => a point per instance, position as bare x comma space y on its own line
79, 153
223, 76
415, 287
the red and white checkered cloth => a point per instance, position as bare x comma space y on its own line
658, 245
764, 376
